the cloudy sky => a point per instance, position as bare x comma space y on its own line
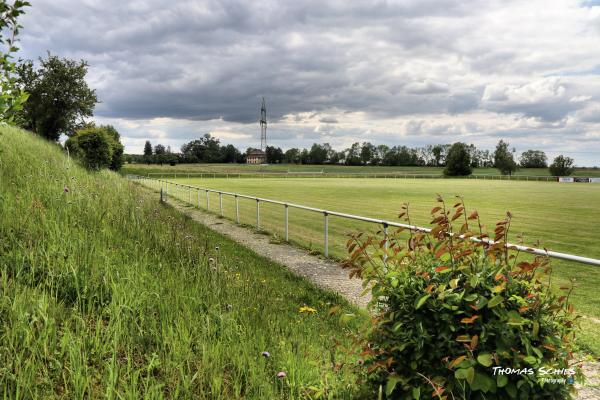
411, 72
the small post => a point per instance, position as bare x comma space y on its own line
385, 237
287, 235
190, 194
237, 209
258, 214
198, 198
207, 201
326, 216
221, 203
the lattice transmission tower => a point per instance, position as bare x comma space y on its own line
263, 126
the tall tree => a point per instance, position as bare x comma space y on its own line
274, 155
206, 149
562, 166
12, 96
503, 159
59, 97
534, 159
292, 156
367, 152
353, 154
317, 154
458, 160
147, 152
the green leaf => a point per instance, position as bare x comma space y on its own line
511, 390
501, 380
495, 301
419, 303
485, 359
465, 374
530, 360
483, 382
391, 384
416, 393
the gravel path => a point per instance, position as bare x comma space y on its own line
329, 274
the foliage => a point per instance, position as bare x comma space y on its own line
107, 294
561, 166
534, 159
97, 147
503, 159
274, 155
12, 97
448, 312
458, 161
206, 149
59, 97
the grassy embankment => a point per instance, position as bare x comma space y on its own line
562, 217
106, 294
143, 169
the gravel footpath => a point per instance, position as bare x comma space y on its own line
328, 274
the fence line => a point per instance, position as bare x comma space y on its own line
385, 175
164, 186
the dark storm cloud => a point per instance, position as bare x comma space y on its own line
215, 59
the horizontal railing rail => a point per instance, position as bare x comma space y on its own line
164, 186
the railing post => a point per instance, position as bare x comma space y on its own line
287, 235
326, 216
221, 203
198, 198
237, 209
258, 214
207, 201
190, 194
385, 237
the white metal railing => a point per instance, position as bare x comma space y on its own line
163, 186
383, 175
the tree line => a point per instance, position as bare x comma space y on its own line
457, 159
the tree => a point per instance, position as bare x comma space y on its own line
59, 97
503, 159
292, 156
534, 159
562, 166
94, 146
367, 152
458, 160
148, 152
229, 154
317, 154
353, 154
12, 96
206, 149
274, 155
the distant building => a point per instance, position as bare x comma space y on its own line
256, 156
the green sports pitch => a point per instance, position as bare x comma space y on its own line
558, 216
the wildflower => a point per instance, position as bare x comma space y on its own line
281, 374
266, 354
66, 189
229, 307
217, 248
307, 310
211, 260
360, 361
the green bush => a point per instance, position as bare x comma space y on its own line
97, 147
458, 161
449, 312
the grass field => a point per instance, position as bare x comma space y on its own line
143, 169
562, 217
104, 293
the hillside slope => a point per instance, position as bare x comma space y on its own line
106, 294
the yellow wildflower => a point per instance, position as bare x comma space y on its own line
306, 309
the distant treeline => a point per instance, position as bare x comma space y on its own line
208, 149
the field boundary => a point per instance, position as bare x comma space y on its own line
163, 186
385, 175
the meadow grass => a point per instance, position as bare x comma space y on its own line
105, 293
143, 169
561, 217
